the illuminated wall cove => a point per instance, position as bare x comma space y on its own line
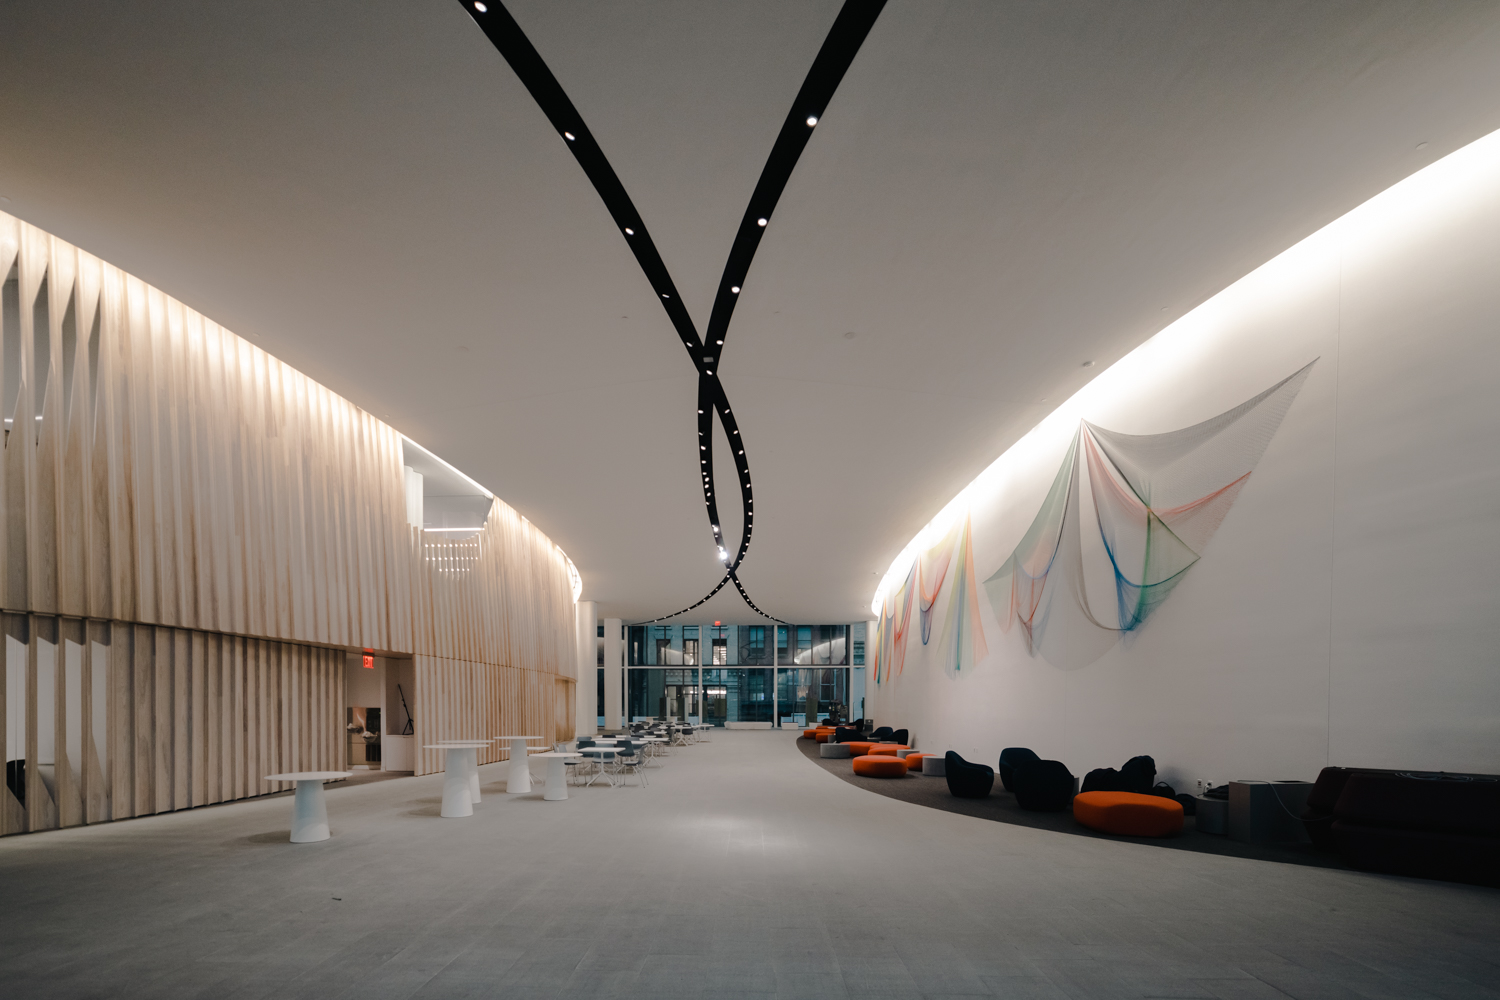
194, 535
1265, 541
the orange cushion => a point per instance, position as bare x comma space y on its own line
888, 749
822, 737
859, 748
1128, 813
880, 767
809, 733
914, 760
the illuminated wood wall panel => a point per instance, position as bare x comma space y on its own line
160, 469
186, 526
116, 720
493, 632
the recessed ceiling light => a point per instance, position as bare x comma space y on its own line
665, 295
812, 120
760, 222
480, 7
719, 342
735, 289
629, 231
568, 136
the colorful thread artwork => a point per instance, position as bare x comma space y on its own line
1127, 515
962, 637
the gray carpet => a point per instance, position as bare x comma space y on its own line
739, 872
1000, 806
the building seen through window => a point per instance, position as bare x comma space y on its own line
795, 675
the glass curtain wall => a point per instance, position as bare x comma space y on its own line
790, 675
742, 694
816, 686
807, 695
662, 694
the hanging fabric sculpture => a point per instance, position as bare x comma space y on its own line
1127, 515
962, 639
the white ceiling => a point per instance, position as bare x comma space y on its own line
997, 193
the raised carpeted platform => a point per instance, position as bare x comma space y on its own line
1001, 807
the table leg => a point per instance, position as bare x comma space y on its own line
474, 774
520, 770
309, 813
557, 779
457, 799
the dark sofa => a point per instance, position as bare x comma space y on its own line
1423, 824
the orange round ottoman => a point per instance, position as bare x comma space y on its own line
824, 736
880, 767
1128, 813
859, 747
888, 749
914, 760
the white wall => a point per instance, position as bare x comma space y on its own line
1348, 610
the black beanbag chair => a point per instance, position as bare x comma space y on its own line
1138, 775
1043, 785
1010, 757
967, 780
1103, 779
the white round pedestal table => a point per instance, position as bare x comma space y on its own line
309, 808
460, 775
557, 773
520, 774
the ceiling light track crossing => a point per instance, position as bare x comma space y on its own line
845, 37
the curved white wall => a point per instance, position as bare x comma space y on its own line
1348, 610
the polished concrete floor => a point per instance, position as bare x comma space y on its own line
743, 870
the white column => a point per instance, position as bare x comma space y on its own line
614, 660
586, 697
704, 651
775, 681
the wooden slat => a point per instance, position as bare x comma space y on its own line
207, 521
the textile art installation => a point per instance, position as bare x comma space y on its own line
1128, 514
962, 638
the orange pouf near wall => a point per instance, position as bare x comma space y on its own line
1128, 813
859, 747
880, 767
914, 760
887, 749
823, 735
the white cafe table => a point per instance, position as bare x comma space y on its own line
520, 773
460, 775
557, 774
309, 808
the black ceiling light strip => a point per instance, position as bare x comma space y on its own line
834, 58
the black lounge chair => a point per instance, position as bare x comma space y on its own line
1010, 757
965, 779
1043, 785
900, 736
883, 733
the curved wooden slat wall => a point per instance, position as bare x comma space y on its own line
163, 478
